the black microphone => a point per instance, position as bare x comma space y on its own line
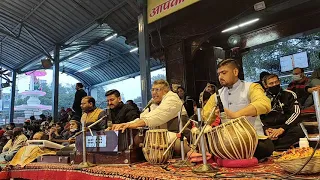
148, 105
109, 118
223, 115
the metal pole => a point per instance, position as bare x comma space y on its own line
316, 101
55, 83
205, 167
84, 141
13, 95
181, 139
203, 148
144, 54
89, 90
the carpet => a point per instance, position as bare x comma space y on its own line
144, 171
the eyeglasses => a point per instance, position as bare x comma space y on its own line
155, 89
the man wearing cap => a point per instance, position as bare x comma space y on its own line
73, 129
18, 140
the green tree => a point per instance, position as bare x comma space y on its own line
157, 77
138, 99
267, 58
101, 99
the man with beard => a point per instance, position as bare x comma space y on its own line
281, 124
120, 112
239, 99
90, 112
77, 99
18, 140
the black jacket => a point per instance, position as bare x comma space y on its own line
123, 113
77, 99
285, 110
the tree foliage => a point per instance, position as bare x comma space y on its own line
267, 58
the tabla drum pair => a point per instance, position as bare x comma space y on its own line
155, 144
235, 139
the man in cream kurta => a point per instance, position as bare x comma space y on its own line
161, 114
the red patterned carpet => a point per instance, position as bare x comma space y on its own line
142, 171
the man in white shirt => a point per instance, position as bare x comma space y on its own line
161, 114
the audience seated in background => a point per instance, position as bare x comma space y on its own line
181, 93
261, 82
298, 85
40, 136
11, 126
55, 131
73, 129
134, 105
3, 139
210, 88
17, 140
281, 123
313, 85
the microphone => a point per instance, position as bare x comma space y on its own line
223, 115
109, 119
148, 105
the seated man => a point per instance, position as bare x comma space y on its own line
40, 136
73, 129
239, 99
281, 123
162, 113
17, 140
298, 85
120, 112
90, 112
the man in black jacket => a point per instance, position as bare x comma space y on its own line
77, 99
281, 124
120, 112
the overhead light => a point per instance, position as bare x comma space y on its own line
240, 25
248, 22
110, 37
76, 55
134, 49
84, 69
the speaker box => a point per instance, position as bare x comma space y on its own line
46, 63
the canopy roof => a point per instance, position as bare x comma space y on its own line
30, 30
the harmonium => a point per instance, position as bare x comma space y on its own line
111, 147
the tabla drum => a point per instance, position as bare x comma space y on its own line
235, 139
195, 134
155, 144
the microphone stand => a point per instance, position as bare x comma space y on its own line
183, 162
84, 163
205, 167
90, 126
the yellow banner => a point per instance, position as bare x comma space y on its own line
158, 9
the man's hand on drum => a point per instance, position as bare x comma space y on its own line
269, 131
118, 127
230, 114
276, 133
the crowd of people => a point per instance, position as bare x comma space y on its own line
272, 111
